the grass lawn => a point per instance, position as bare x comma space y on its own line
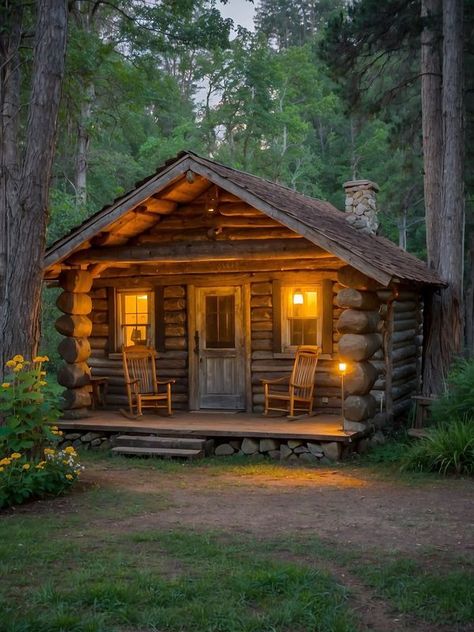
233, 545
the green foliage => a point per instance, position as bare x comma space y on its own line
22, 478
448, 449
458, 399
28, 407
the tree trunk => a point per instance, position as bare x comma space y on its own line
446, 333
432, 126
25, 182
83, 140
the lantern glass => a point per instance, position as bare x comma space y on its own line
342, 367
298, 297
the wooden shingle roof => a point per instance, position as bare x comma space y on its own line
318, 221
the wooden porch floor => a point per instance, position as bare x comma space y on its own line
218, 424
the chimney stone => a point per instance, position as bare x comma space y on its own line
361, 205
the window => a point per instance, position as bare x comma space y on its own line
301, 316
135, 318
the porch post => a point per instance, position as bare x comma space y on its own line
76, 327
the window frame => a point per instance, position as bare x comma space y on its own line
287, 289
119, 311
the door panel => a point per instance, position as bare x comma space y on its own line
220, 348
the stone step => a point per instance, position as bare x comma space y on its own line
166, 453
150, 441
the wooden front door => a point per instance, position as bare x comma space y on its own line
219, 344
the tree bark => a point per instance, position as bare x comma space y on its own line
445, 336
432, 126
25, 179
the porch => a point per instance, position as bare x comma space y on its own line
322, 427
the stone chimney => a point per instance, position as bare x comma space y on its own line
361, 205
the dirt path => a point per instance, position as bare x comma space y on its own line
334, 505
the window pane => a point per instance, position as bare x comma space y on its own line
135, 335
220, 321
302, 303
303, 331
135, 319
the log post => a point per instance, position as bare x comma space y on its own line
359, 324
76, 327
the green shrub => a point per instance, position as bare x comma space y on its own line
28, 407
21, 478
448, 449
31, 467
458, 400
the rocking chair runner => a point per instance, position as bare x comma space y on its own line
139, 368
301, 384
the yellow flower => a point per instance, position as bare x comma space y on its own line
15, 455
69, 477
37, 359
40, 465
70, 450
6, 385
10, 364
42, 383
26, 466
5, 461
18, 358
65, 462
49, 451
1, 469
54, 428
18, 368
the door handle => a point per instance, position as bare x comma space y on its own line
196, 342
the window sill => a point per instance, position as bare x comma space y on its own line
290, 355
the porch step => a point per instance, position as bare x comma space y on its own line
165, 447
167, 453
151, 441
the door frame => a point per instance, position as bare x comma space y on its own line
193, 359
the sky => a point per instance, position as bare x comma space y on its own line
241, 11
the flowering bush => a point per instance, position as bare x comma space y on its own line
28, 410
27, 407
21, 478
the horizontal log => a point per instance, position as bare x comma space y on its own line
358, 322
174, 330
100, 329
263, 325
74, 303
360, 378
260, 313
174, 291
402, 336
257, 289
408, 388
185, 224
217, 235
399, 295
404, 352
76, 398
357, 299
74, 349
100, 317
175, 343
174, 304
199, 251
401, 408
98, 292
403, 325
75, 280
73, 375
76, 326
359, 407
400, 316
261, 301
262, 335
262, 345
175, 318
98, 342
405, 306
359, 346
100, 305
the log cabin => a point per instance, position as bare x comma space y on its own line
226, 274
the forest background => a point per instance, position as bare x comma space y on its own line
320, 92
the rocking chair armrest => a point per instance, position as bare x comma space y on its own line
277, 380
171, 381
131, 382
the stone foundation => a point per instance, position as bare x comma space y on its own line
286, 450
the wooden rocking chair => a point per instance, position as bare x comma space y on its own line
139, 369
299, 396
